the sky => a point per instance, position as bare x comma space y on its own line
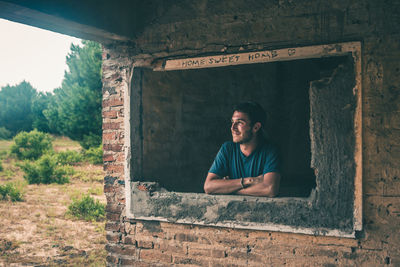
32, 54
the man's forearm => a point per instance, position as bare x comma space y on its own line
222, 186
260, 190
228, 186
264, 185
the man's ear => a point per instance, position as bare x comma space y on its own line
256, 126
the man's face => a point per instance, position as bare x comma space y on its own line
241, 128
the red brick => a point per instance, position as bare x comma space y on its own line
113, 102
226, 264
186, 260
113, 216
207, 251
171, 247
111, 126
113, 237
113, 147
114, 168
115, 227
137, 263
115, 208
154, 255
186, 237
129, 240
111, 114
112, 259
128, 262
108, 157
216, 253
129, 250
144, 244
199, 252
110, 136
113, 248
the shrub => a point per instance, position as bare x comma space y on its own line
87, 208
3, 154
1, 166
31, 145
90, 140
46, 170
69, 157
94, 155
4, 133
10, 192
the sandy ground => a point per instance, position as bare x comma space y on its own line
38, 232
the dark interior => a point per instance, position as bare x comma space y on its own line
186, 116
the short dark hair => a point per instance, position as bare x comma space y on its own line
254, 110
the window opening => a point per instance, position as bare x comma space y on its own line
178, 120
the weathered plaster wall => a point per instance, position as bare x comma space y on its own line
215, 26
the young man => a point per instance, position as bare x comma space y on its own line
249, 165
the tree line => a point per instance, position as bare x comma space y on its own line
73, 110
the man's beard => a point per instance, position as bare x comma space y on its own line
247, 136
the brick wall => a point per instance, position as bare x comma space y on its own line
235, 26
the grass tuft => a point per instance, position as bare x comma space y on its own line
10, 192
86, 208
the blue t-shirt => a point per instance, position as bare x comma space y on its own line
230, 161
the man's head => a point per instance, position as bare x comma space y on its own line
248, 120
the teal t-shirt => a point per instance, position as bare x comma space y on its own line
230, 161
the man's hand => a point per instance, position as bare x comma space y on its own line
217, 185
266, 185
249, 181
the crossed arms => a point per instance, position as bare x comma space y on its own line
266, 185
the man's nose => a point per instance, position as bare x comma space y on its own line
234, 126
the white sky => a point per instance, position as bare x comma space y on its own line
32, 54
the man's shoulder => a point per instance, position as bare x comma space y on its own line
228, 147
228, 144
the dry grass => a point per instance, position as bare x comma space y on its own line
37, 231
62, 143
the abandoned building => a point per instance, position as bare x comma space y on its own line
328, 75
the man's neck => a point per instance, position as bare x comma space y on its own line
249, 147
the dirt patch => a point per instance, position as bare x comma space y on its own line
37, 231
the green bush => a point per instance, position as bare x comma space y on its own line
90, 140
69, 157
3, 154
1, 166
10, 192
46, 170
4, 133
94, 155
31, 145
87, 208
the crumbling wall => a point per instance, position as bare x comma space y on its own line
211, 27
